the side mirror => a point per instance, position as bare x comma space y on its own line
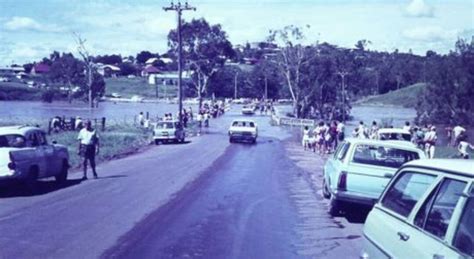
54, 142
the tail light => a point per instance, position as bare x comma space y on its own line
342, 183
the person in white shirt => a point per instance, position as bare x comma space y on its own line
362, 132
305, 141
340, 131
407, 127
430, 142
374, 130
463, 147
457, 132
88, 147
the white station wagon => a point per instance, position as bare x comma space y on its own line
361, 168
427, 211
243, 130
26, 155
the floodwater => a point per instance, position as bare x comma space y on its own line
110, 110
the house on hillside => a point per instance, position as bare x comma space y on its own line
168, 78
109, 70
149, 70
40, 69
10, 71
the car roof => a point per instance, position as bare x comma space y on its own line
22, 130
393, 130
391, 143
455, 166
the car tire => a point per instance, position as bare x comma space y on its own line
254, 141
325, 189
335, 207
231, 140
157, 142
62, 176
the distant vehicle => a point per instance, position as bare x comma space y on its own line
115, 95
26, 155
241, 101
137, 99
393, 134
31, 84
168, 131
361, 168
243, 130
43, 85
131, 76
427, 211
248, 110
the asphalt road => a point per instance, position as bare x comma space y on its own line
206, 198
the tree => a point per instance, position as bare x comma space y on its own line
448, 97
291, 59
127, 69
67, 69
205, 49
109, 59
94, 84
145, 55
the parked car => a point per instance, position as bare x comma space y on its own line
26, 155
248, 110
361, 168
168, 131
243, 130
4, 79
427, 211
393, 134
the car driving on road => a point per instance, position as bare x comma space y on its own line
248, 110
243, 130
361, 168
427, 211
168, 131
26, 155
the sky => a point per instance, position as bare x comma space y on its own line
32, 29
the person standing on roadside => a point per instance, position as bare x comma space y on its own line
430, 142
374, 130
88, 147
340, 131
463, 146
458, 131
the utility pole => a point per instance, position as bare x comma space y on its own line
343, 75
266, 88
179, 8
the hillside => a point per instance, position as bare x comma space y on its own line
406, 97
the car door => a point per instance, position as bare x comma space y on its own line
387, 229
37, 156
52, 163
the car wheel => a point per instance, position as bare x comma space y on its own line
231, 140
335, 207
254, 141
157, 142
62, 176
326, 193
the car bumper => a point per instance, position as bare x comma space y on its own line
164, 138
243, 137
354, 198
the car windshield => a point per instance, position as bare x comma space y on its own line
12, 140
165, 125
382, 156
243, 124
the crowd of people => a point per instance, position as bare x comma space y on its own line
325, 137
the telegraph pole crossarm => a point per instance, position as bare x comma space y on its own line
179, 8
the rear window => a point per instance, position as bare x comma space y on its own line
243, 124
382, 156
405, 192
165, 125
395, 136
12, 140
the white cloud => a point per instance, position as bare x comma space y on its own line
418, 8
429, 34
18, 23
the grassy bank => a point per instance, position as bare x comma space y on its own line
128, 87
406, 97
